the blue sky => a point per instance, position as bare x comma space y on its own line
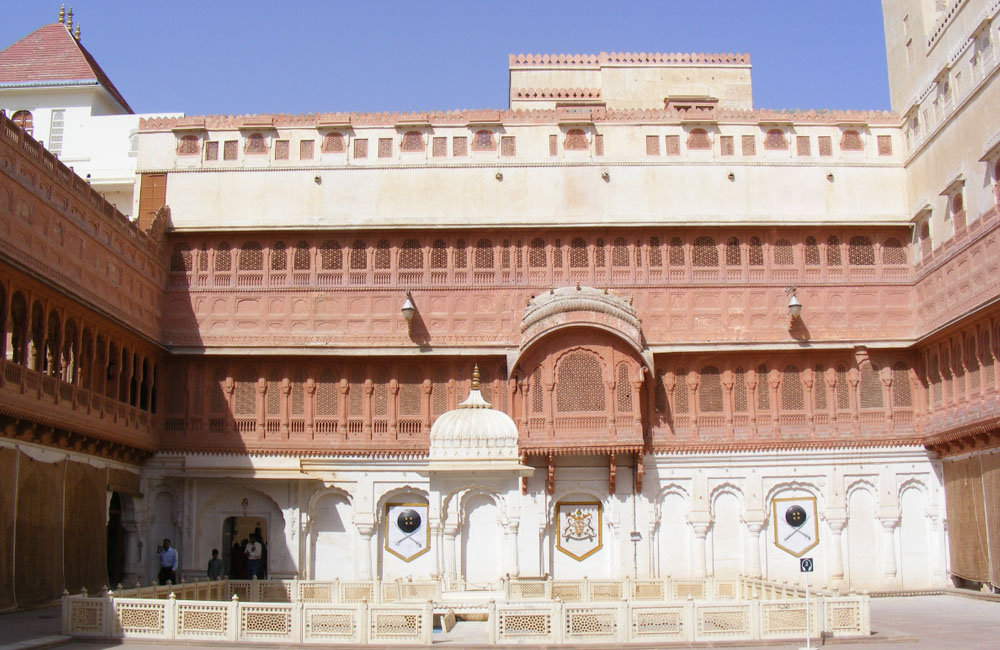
253, 56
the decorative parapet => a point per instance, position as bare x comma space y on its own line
626, 58
556, 93
257, 122
532, 116
189, 124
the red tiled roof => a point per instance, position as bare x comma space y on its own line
50, 54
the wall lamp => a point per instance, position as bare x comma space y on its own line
794, 306
408, 309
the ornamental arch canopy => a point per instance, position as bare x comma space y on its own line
579, 374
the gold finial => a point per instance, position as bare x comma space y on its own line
69, 20
475, 377
77, 33
62, 14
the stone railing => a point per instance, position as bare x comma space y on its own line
535, 610
546, 622
153, 616
630, 589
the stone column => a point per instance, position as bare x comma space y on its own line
392, 413
344, 405
550, 407
363, 550
542, 548
750, 379
852, 380
525, 405
309, 407
260, 407
808, 382
367, 407
436, 539
885, 376
693, 382
133, 566
700, 531
888, 546
728, 381
837, 556
427, 407
513, 565
450, 537
754, 527
609, 397
306, 544
830, 379
285, 406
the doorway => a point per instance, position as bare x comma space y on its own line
235, 537
116, 541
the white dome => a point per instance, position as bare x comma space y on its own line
474, 432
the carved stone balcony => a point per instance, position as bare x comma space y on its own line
62, 412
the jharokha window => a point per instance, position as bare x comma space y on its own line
413, 141
188, 146
334, 143
25, 120
256, 144
579, 383
576, 140
484, 141
698, 139
775, 140
851, 141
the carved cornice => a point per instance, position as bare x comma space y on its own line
30, 430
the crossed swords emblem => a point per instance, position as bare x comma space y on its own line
796, 517
409, 524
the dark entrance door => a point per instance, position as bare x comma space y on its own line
116, 542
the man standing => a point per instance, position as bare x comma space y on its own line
168, 563
214, 565
253, 556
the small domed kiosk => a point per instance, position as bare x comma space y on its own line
475, 436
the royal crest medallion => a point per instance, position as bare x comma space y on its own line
579, 534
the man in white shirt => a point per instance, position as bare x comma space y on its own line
253, 556
168, 563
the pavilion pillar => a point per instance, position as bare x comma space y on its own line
837, 556
754, 527
450, 537
513, 566
363, 550
700, 569
436, 544
888, 546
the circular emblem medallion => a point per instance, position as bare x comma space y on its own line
795, 516
409, 520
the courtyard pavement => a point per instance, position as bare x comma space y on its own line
914, 623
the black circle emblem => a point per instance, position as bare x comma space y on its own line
408, 520
796, 516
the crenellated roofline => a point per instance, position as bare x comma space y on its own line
628, 58
516, 117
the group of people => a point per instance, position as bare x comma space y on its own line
247, 559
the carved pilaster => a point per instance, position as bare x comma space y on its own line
342, 389
391, 410
808, 382
750, 378
310, 406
